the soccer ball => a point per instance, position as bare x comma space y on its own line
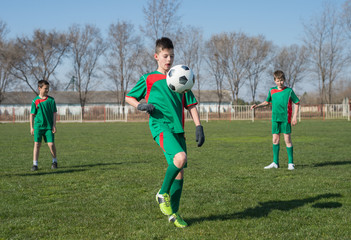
180, 78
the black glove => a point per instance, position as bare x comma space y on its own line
200, 136
149, 108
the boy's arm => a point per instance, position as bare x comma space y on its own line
199, 133
31, 121
149, 108
54, 123
194, 115
132, 101
265, 103
294, 118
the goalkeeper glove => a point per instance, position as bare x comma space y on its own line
149, 108
200, 136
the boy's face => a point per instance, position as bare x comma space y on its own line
279, 83
164, 60
44, 90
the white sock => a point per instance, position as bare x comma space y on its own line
54, 160
35, 162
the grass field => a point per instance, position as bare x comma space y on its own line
109, 174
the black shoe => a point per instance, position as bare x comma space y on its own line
34, 168
54, 165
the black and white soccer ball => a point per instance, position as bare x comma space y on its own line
180, 78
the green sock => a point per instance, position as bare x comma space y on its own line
290, 154
276, 148
176, 192
171, 173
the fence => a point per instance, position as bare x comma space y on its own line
107, 113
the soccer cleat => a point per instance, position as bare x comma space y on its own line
272, 165
177, 220
164, 202
291, 166
54, 165
34, 168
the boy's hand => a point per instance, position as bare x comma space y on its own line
32, 131
294, 121
149, 108
253, 106
53, 129
200, 136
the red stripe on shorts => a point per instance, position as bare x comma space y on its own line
161, 141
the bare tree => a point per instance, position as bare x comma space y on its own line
123, 52
346, 17
37, 58
215, 67
87, 46
258, 53
189, 51
231, 50
324, 40
5, 64
293, 62
161, 18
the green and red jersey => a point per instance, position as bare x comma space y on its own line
43, 109
282, 100
169, 105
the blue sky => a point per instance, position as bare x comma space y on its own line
279, 21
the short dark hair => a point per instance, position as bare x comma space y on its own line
41, 83
163, 43
279, 75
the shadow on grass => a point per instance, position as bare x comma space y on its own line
38, 173
70, 169
92, 165
264, 208
337, 163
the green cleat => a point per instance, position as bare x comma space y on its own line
177, 220
164, 202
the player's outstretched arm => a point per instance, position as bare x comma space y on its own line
265, 103
149, 108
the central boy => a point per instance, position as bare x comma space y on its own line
166, 122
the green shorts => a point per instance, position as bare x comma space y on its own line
171, 144
47, 134
281, 127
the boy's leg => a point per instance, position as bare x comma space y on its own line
38, 135
175, 156
36, 154
176, 159
52, 148
50, 139
276, 148
171, 173
176, 191
289, 148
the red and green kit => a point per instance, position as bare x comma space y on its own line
43, 109
282, 100
169, 106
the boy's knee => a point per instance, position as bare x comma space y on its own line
180, 159
37, 144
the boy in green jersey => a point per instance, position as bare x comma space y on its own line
43, 123
281, 98
166, 122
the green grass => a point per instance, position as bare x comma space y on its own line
109, 174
